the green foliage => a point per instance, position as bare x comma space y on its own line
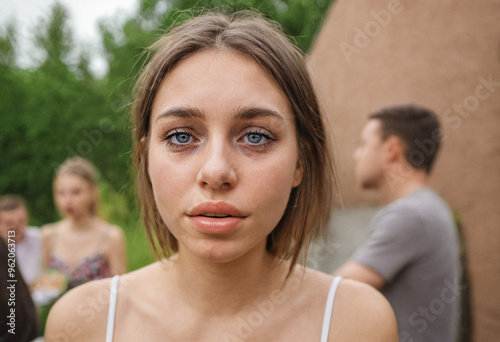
7, 51
114, 207
58, 108
54, 38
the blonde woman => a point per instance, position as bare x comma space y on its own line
81, 245
234, 177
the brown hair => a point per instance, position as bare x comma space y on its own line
264, 42
84, 169
419, 130
11, 202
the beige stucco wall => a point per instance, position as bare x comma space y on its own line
444, 55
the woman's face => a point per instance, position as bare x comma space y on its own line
223, 155
74, 195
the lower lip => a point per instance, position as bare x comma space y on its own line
212, 225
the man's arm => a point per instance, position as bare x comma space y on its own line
394, 243
355, 270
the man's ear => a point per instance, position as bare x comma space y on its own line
299, 173
394, 148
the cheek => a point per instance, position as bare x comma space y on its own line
169, 179
89, 198
60, 201
367, 157
363, 159
268, 186
23, 222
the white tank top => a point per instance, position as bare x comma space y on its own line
326, 318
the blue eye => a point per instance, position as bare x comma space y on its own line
255, 138
182, 138
258, 138
179, 138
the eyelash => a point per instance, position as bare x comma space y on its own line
174, 133
270, 139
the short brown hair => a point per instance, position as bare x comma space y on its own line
419, 129
81, 167
263, 41
11, 202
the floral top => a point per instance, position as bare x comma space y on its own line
95, 266
91, 268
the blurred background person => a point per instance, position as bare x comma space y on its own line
14, 217
412, 253
82, 246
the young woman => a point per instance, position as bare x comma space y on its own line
234, 177
81, 245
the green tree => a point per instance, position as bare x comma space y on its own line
7, 49
50, 113
54, 38
58, 109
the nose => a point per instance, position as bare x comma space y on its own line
217, 171
66, 200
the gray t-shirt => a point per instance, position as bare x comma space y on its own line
414, 245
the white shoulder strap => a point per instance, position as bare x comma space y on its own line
112, 308
327, 318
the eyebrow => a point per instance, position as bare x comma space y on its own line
181, 112
254, 112
240, 114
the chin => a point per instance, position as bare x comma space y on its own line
369, 184
218, 251
366, 186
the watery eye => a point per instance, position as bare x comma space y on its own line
180, 138
255, 138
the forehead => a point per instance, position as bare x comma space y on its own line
218, 81
372, 129
14, 214
70, 180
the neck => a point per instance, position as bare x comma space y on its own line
84, 222
397, 185
225, 288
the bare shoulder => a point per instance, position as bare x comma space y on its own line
48, 229
362, 313
81, 314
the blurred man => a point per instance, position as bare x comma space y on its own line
13, 225
412, 253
